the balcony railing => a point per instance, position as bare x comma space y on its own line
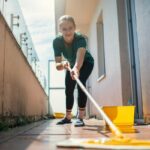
12, 13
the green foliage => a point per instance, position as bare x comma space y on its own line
3, 125
12, 121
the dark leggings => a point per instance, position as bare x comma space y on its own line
85, 71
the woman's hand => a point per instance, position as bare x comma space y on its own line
66, 65
74, 72
59, 66
62, 65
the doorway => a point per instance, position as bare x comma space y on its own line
56, 90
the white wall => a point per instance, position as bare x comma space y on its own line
108, 91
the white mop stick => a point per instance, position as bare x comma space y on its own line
117, 132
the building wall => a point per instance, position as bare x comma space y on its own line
20, 89
109, 90
124, 52
142, 9
1, 63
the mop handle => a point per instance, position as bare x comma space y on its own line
117, 132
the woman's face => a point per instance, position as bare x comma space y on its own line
67, 29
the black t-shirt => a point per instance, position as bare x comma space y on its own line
69, 52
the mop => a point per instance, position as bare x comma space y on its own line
119, 141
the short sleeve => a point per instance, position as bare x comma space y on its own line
81, 43
56, 47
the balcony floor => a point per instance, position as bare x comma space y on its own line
45, 135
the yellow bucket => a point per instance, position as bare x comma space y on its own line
58, 115
122, 117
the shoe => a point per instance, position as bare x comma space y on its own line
64, 121
79, 123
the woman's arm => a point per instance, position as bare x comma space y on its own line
80, 58
79, 62
59, 65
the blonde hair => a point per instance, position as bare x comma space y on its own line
66, 18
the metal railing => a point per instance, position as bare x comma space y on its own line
11, 11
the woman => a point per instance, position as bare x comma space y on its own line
72, 46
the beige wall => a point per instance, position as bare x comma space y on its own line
23, 94
82, 11
108, 91
143, 32
1, 63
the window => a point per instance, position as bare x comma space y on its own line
100, 44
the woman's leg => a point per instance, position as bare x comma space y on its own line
82, 98
70, 86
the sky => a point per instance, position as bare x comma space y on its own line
39, 17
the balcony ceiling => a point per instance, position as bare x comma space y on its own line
81, 10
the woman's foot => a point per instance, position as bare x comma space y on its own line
64, 121
79, 123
